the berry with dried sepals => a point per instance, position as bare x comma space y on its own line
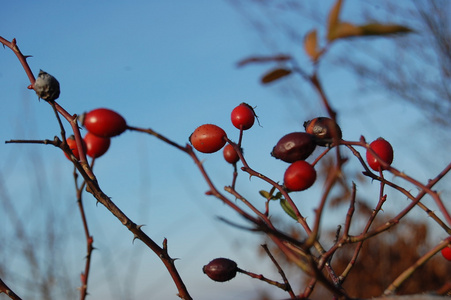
221, 269
46, 86
323, 129
294, 146
243, 116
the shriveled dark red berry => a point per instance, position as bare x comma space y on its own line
221, 269
294, 146
323, 129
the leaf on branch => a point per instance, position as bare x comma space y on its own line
274, 75
383, 29
334, 19
263, 59
287, 208
345, 30
311, 45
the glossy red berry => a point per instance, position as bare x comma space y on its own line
243, 116
384, 150
104, 122
73, 147
294, 146
299, 176
323, 129
446, 252
208, 138
96, 146
221, 269
230, 155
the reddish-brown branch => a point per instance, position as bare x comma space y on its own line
5, 289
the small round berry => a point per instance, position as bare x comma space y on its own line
73, 147
104, 122
230, 155
221, 269
323, 129
46, 86
299, 176
294, 146
384, 150
446, 252
243, 116
96, 146
208, 138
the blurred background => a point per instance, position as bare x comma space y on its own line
172, 66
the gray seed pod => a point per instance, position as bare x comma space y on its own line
46, 86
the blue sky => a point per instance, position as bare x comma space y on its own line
169, 66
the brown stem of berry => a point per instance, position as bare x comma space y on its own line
282, 286
5, 289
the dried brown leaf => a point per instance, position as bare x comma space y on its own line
274, 75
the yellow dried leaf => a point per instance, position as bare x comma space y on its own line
311, 45
345, 30
334, 19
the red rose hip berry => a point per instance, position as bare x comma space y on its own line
208, 138
221, 269
384, 150
73, 147
446, 252
230, 155
299, 176
96, 146
104, 122
243, 116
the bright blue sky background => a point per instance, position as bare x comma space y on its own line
170, 66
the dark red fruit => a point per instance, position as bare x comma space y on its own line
104, 122
243, 116
96, 146
221, 269
299, 176
294, 146
208, 138
446, 252
323, 129
73, 147
230, 155
384, 150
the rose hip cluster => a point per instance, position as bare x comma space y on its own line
210, 138
102, 124
293, 148
296, 147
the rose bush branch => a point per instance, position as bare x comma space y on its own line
72, 119
89, 238
92, 186
6, 290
